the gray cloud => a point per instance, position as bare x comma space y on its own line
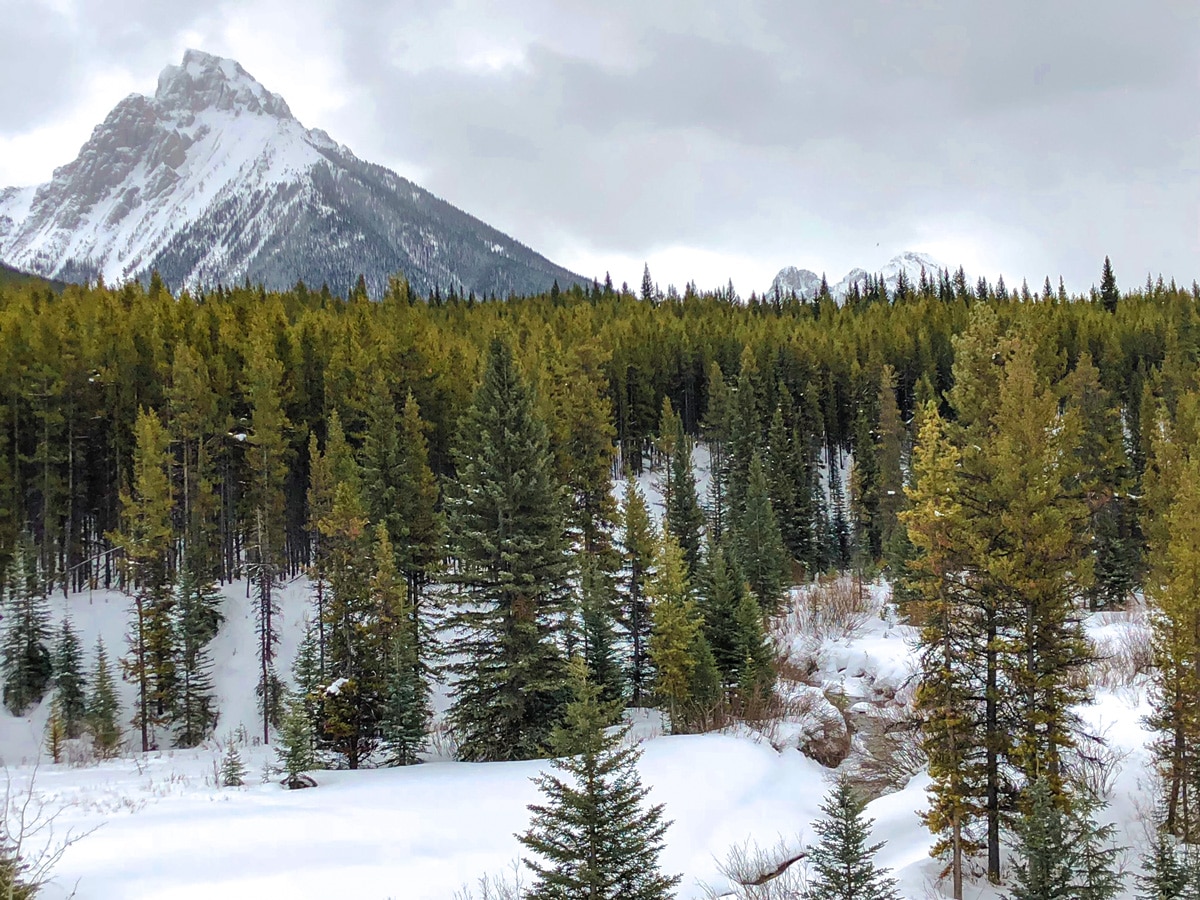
1043, 135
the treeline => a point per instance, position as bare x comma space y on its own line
442, 469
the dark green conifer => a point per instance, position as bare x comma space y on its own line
26, 659
294, 752
198, 616
506, 515
103, 709
70, 685
684, 517
593, 835
596, 604
761, 556
842, 863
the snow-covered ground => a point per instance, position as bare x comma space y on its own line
164, 830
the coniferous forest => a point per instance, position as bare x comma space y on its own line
456, 477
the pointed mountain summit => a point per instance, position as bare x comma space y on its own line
806, 283
213, 181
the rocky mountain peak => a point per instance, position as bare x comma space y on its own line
204, 81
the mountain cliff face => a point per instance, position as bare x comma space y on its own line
806, 283
213, 180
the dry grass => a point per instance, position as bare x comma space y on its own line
1123, 652
829, 609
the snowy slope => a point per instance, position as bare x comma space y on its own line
213, 180
424, 832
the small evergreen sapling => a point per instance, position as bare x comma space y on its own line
593, 835
294, 750
69, 682
1165, 875
233, 770
842, 863
103, 710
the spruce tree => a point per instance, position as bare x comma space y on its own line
1109, 295
233, 770
717, 428
638, 549
103, 709
1062, 855
593, 835
294, 752
404, 718
756, 664
842, 863
27, 662
1164, 875
761, 556
720, 598
506, 517
198, 617
596, 604
684, 518
70, 685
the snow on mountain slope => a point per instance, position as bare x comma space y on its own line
213, 180
806, 283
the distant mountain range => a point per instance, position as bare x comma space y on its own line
213, 180
806, 283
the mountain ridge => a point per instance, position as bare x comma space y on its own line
213, 180
806, 284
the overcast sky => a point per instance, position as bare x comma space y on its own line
713, 140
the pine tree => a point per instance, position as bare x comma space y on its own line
268, 457
146, 539
950, 718
760, 551
103, 710
27, 663
70, 685
294, 752
756, 667
233, 770
198, 617
593, 835
638, 544
717, 429
420, 549
677, 638
506, 525
841, 864
684, 518
56, 731
308, 681
15, 878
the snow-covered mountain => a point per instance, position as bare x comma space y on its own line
213, 180
806, 283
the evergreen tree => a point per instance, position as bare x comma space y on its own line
1061, 855
27, 663
720, 599
506, 526
747, 429
684, 517
308, 681
717, 429
1165, 876
593, 835
842, 863
56, 732
233, 770
638, 544
15, 877
294, 753
677, 642
103, 710
70, 685
756, 668
198, 616
761, 556
146, 539
1109, 295
596, 605
405, 715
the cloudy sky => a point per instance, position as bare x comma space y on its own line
713, 140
